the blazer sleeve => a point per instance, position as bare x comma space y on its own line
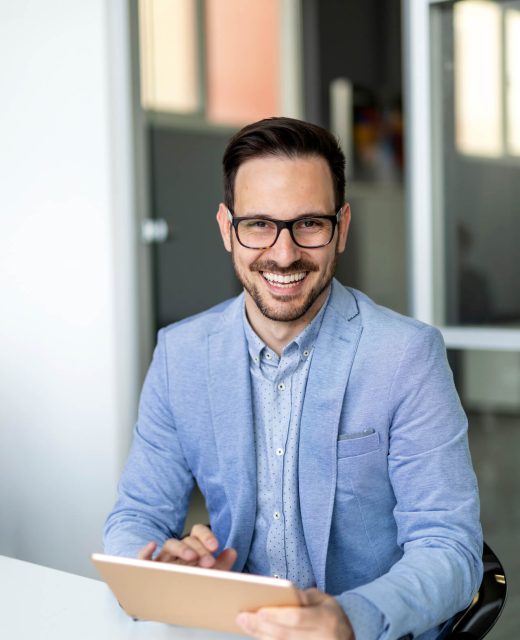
156, 483
437, 504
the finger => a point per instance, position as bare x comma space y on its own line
146, 552
311, 597
294, 617
254, 625
225, 560
205, 535
174, 550
204, 556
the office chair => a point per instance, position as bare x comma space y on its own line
478, 619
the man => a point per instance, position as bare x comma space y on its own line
323, 430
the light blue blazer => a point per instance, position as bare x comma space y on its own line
388, 497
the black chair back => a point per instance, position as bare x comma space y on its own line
478, 619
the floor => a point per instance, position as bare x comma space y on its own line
495, 448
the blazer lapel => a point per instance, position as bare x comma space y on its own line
231, 409
329, 372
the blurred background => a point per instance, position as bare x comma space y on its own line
113, 119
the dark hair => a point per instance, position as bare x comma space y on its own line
283, 137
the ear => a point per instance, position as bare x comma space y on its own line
224, 225
343, 226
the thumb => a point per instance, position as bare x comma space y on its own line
225, 560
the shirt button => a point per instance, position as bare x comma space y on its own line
279, 452
281, 386
268, 356
276, 515
306, 353
255, 359
275, 575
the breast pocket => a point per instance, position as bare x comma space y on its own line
358, 444
362, 469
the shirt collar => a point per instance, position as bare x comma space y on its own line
254, 344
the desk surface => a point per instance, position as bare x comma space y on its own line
37, 603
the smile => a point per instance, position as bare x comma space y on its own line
287, 280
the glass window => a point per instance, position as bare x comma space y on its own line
217, 60
512, 18
487, 77
169, 56
242, 60
476, 78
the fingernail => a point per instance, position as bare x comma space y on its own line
207, 561
212, 543
189, 554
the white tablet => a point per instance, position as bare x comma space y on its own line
190, 596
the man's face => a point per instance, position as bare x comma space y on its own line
284, 188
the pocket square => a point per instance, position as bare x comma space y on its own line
356, 434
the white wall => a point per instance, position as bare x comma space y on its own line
68, 335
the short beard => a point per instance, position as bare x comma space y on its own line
288, 315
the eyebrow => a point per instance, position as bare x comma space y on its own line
264, 216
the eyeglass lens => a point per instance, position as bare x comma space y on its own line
307, 232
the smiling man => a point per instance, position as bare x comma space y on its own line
323, 430
285, 242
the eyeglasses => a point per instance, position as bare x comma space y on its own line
308, 232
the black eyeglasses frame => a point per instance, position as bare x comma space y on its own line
284, 224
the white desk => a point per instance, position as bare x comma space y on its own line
37, 603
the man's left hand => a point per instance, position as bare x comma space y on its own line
320, 616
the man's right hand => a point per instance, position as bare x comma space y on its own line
195, 550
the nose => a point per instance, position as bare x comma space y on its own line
284, 251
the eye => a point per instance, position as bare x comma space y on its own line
310, 224
257, 224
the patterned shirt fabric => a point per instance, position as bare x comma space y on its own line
278, 389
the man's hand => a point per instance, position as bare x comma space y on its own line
320, 616
195, 550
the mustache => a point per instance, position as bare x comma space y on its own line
272, 267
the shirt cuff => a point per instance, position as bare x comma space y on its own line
368, 622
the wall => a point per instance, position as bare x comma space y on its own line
67, 330
378, 241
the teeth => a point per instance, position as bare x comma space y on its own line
279, 279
